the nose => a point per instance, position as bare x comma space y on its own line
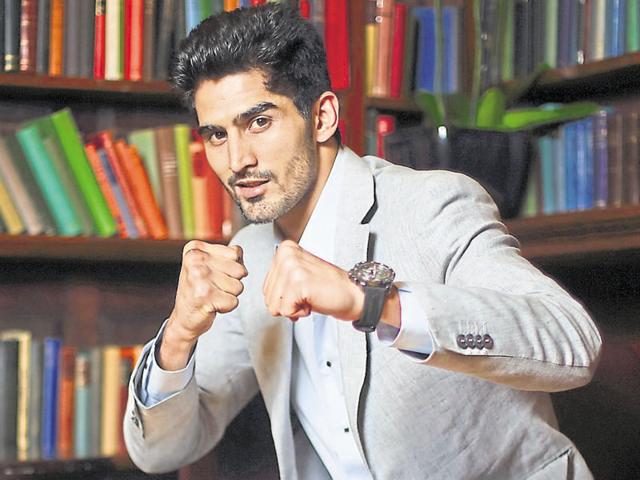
240, 155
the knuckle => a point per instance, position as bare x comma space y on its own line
198, 271
191, 246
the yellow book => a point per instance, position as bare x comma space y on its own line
8, 212
230, 5
111, 415
371, 44
24, 369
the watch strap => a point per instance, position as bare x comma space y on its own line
374, 298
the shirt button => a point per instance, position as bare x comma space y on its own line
328, 364
346, 429
488, 341
461, 340
471, 341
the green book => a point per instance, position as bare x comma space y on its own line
507, 22
182, 134
82, 405
205, 9
551, 33
73, 148
633, 36
64, 212
52, 145
144, 141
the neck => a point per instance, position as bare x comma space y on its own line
295, 221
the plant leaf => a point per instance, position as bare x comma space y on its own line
428, 103
491, 109
526, 118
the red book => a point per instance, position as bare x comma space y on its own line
99, 38
255, 3
385, 124
105, 141
305, 8
105, 187
127, 362
384, 18
134, 47
336, 35
28, 35
397, 50
66, 402
127, 40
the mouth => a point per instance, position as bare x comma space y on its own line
247, 188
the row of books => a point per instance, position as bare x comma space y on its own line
60, 401
516, 37
590, 163
410, 47
157, 185
132, 39
401, 49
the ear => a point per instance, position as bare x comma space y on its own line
326, 114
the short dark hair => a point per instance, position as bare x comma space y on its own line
272, 38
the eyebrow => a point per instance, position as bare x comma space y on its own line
240, 118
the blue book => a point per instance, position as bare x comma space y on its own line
584, 172
50, 386
600, 159
426, 48
613, 29
193, 15
451, 60
589, 182
132, 231
559, 172
546, 148
570, 176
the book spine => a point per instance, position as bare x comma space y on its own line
64, 213
185, 174
71, 142
11, 22
82, 411
56, 38
86, 33
123, 207
570, 175
144, 141
385, 20
95, 427
35, 399
371, 31
71, 38
546, 170
385, 124
136, 39
336, 36
66, 402
28, 35
631, 158
632, 26
42, 37
11, 218
149, 39
600, 159
8, 399
398, 50
99, 40
426, 54
559, 162
164, 37
50, 397
615, 157
114, 45
126, 39
111, 414
167, 162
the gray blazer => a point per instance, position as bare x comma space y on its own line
463, 413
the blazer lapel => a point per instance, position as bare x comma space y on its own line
352, 239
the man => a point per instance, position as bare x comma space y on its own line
446, 371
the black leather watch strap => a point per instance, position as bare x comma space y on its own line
374, 298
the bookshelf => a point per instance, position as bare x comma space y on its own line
120, 286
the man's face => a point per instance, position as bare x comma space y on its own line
257, 143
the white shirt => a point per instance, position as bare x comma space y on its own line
317, 396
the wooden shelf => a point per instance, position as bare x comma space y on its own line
608, 78
34, 468
24, 247
153, 93
602, 233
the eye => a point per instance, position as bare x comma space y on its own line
217, 137
259, 124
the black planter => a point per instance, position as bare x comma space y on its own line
499, 161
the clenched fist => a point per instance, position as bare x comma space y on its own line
299, 283
210, 282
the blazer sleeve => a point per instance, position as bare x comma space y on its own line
537, 336
186, 425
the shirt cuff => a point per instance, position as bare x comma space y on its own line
160, 384
414, 335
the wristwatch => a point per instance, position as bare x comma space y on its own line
376, 279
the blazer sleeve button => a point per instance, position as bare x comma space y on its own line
479, 342
461, 340
471, 341
488, 341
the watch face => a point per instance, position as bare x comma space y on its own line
374, 274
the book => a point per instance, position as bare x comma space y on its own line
82, 406
370, 45
23, 337
56, 37
141, 190
144, 141
426, 52
86, 19
71, 38
8, 399
42, 37
336, 35
113, 43
398, 50
95, 427
50, 391
72, 145
11, 23
10, 217
38, 157
168, 168
385, 24
600, 159
631, 157
111, 413
182, 139
207, 194
28, 35
148, 40
66, 403
34, 412
615, 156
164, 37
385, 124
547, 160
99, 39
135, 38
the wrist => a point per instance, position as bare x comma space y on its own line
392, 311
176, 346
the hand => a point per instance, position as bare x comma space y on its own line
209, 283
298, 283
